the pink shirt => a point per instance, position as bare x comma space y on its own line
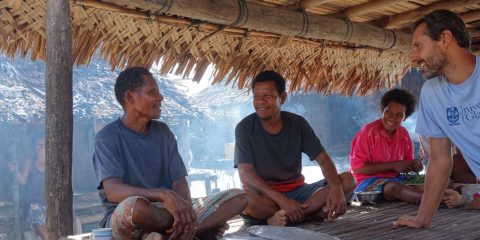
373, 145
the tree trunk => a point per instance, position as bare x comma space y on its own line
59, 120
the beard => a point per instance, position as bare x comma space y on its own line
433, 65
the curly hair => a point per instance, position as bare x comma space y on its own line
270, 75
402, 97
129, 79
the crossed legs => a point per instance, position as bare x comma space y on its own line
399, 191
261, 207
136, 216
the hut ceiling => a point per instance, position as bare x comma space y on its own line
329, 46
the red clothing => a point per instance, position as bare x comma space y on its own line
287, 186
373, 145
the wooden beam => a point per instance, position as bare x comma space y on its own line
400, 20
369, 6
306, 4
58, 120
470, 16
474, 32
279, 21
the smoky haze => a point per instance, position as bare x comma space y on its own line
203, 123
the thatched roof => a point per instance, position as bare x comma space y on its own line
356, 56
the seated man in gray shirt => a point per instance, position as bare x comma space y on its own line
141, 176
268, 149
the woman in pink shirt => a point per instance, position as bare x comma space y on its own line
382, 150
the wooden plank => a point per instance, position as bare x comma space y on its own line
280, 21
375, 222
59, 120
306, 4
470, 16
401, 20
369, 7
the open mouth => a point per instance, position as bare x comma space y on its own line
422, 66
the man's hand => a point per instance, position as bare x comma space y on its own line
336, 204
185, 219
417, 165
293, 208
403, 166
411, 221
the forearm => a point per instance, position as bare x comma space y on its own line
435, 185
372, 168
439, 169
180, 186
330, 173
253, 182
117, 191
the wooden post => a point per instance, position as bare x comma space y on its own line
59, 120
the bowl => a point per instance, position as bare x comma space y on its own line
369, 197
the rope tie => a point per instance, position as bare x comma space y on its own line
242, 14
305, 24
394, 42
166, 5
349, 31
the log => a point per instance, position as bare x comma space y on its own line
59, 120
275, 20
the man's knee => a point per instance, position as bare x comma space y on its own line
258, 203
348, 182
122, 219
392, 190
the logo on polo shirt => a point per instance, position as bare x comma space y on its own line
453, 116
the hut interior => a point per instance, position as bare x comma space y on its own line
345, 47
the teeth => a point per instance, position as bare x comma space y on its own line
422, 66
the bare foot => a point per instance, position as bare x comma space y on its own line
221, 231
213, 233
278, 219
453, 199
152, 236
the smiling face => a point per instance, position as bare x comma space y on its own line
146, 101
266, 100
393, 115
427, 55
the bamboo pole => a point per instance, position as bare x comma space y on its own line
59, 120
185, 22
275, 20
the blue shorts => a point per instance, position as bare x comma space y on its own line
302, 193
376, 183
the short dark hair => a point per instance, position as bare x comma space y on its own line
270, 75
129, 79
440, 20
400, 96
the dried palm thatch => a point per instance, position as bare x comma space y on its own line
128, 33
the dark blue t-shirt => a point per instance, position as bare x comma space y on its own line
145, 160
276, 158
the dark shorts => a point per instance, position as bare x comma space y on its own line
304, 192
300, 194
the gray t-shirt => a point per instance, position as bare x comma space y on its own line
145, 160
276, 158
